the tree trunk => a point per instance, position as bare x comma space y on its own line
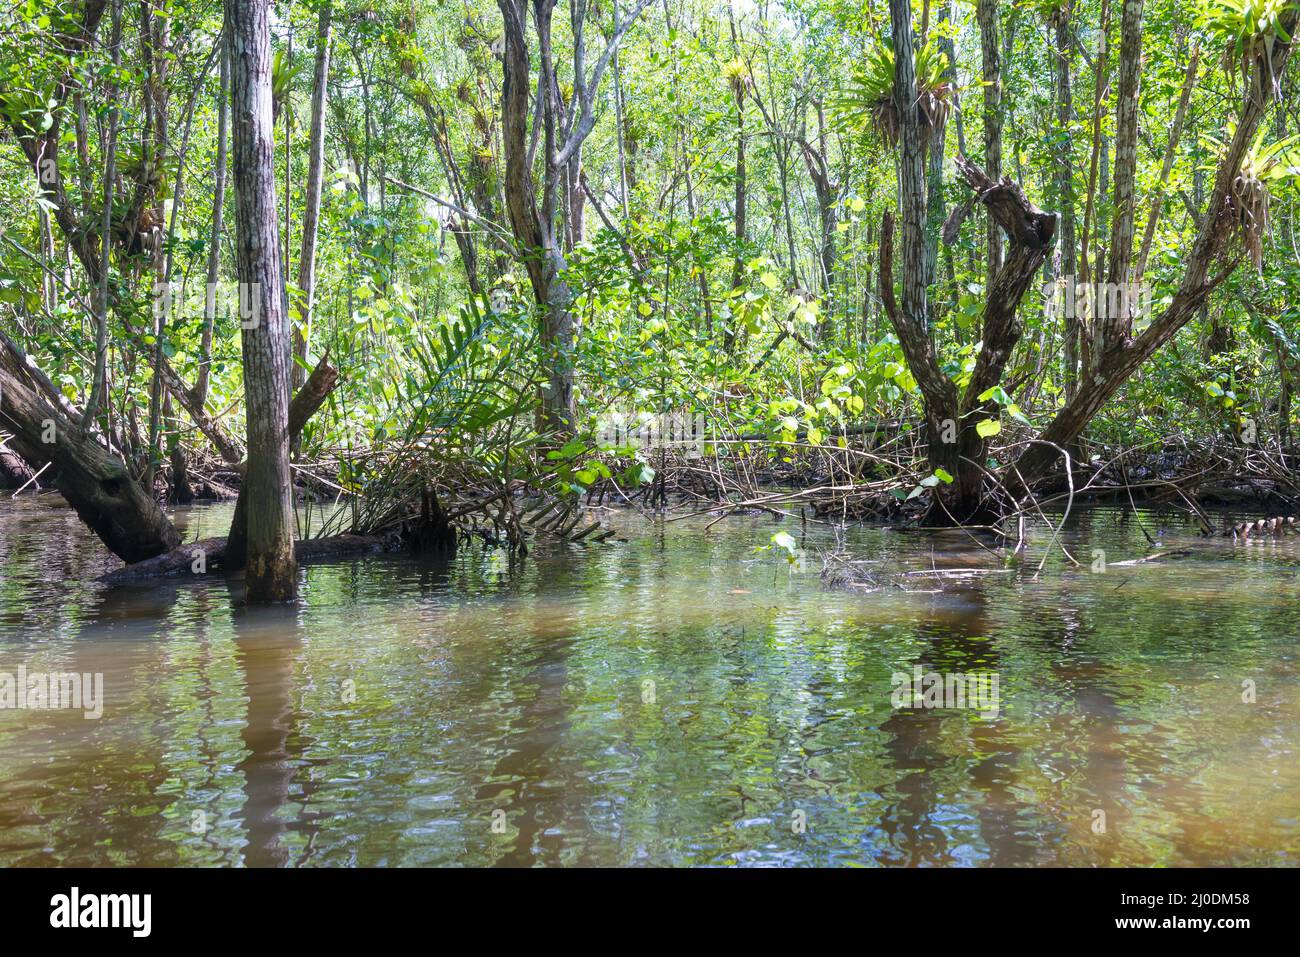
954, 444
1117, 327
311, 211
271, 567
938, 142
156, 55
214, 242
986, 13
14, 472
98, 384
535, 226
182, 494
1218, 227
214, 553
311, 396
97, 485
742, 193
1063, 163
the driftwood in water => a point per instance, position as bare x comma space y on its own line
209, 554
94, 482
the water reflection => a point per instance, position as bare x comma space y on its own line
267, 641
678, 698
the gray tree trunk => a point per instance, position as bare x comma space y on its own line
311, 211
214, 245
986, 13
1115, 328
1063, 161
267, 493
96, 484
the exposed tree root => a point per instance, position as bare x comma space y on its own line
208, 555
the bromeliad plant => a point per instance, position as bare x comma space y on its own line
1248, 30
1265, 167
867, 102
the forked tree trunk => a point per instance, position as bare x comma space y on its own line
1219, 227
534, 224
271, 567
954, 444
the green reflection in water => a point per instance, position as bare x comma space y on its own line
673, 699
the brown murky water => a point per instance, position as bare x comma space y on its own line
678, 698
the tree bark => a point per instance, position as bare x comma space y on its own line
271, 567
311, 396
214, 554
214, 242
1115, 328
97, 485
953, 440
1063, 166
986, 14
98, 383
535, 226
739, 221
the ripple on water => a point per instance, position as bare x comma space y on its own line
678, 698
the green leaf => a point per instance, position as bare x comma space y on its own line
988, 427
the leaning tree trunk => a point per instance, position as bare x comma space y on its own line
268, 550
14, 472
97, 485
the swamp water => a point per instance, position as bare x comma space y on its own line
676, 698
